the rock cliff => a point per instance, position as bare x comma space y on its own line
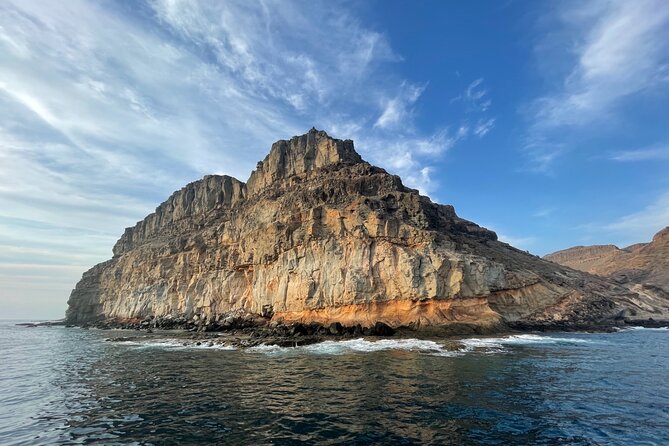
319, 235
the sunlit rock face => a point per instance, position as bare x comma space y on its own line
319, 235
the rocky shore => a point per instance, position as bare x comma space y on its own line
256, 326
244, 336
248, 330
245, 330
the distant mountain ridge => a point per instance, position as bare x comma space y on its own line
642, 267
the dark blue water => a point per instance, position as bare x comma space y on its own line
69, 386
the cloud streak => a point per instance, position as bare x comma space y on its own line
641, 225
645, 154
634, 227
475, 97
621, 50
397, 110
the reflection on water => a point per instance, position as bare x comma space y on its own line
68, 386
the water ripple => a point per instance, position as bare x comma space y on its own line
68, 386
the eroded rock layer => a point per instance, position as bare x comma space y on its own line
319, 235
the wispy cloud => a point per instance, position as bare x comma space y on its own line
521, 242
404, 153
397, 110
483, 126
330, 53
475, 97
640, 226
525, 243
476, 101
645, 154
616, 50
635, 227
544, 212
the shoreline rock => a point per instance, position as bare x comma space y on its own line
255, 331
252, 325
298, 335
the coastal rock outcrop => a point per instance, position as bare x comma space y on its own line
318, 235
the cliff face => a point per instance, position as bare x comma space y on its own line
643, 267
319, 235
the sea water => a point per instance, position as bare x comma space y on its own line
62, 386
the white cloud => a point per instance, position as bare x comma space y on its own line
645, 154
282, 51
619, 49
544, 212
397, 110
624, 51
421, 180
642, 225
524, 243
484, 126
411, 156
476, 101
635, 227
475, 97
392, 114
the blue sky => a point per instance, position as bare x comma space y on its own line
544, 121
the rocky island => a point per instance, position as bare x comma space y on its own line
319, 237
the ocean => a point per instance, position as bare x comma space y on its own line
69, 386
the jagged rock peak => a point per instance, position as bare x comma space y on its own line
301, 154
662, 235
194, 199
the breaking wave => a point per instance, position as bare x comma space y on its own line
448, 348
498, 344
360, 345
454, 348
647, 328
175, 344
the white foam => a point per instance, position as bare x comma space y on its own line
489, 345
647, 328
269, 349
359, 345
523, 339
483, 342
174, 344
363, 345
